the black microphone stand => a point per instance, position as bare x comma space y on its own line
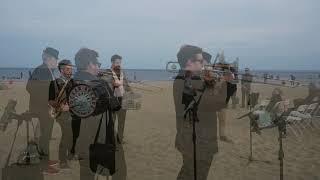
192, 112
281, 124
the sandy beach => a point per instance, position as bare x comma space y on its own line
150, 135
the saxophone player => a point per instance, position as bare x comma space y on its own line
58, 90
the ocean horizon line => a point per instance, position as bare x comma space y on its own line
163, 69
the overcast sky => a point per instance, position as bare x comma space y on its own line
264, 34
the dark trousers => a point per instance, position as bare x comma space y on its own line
46, 126
203, 167
245, 97
121, 116
234, 100
75, 125
66, 131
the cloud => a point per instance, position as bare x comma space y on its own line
148, 31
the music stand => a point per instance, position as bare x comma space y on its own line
28, 157
252, 102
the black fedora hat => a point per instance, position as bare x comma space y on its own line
52, 52
207, 56
65, 62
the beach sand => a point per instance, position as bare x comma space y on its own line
150, 135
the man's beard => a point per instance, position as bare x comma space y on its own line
117, 68
68, 76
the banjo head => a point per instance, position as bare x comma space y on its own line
82, 100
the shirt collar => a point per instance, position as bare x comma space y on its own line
64, 78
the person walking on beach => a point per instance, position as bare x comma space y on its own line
292, 80
246, 87
265, 78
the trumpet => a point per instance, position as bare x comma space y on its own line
217, 71
208, 71
104, 72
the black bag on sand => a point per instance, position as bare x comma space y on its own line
22, 172
104, 154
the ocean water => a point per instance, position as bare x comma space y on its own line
162, 75
140, 74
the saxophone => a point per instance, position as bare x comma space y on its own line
55, 111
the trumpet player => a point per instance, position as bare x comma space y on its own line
186, 84
222, 114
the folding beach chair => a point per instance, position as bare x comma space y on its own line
302, 118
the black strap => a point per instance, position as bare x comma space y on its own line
109, 129
202, 92
98, 131
56, 87
109, 139
107, 126
109, 123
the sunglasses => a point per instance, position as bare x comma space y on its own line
197, 60
97, 64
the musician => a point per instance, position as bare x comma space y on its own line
246, 87
228, 77
120, 86
119, 83
58, 90
214, 95
222, 113
88, 67
38, 88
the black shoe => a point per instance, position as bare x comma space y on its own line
64, 166
226, 139
77, 157
74, 157
42, 154
118, 140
